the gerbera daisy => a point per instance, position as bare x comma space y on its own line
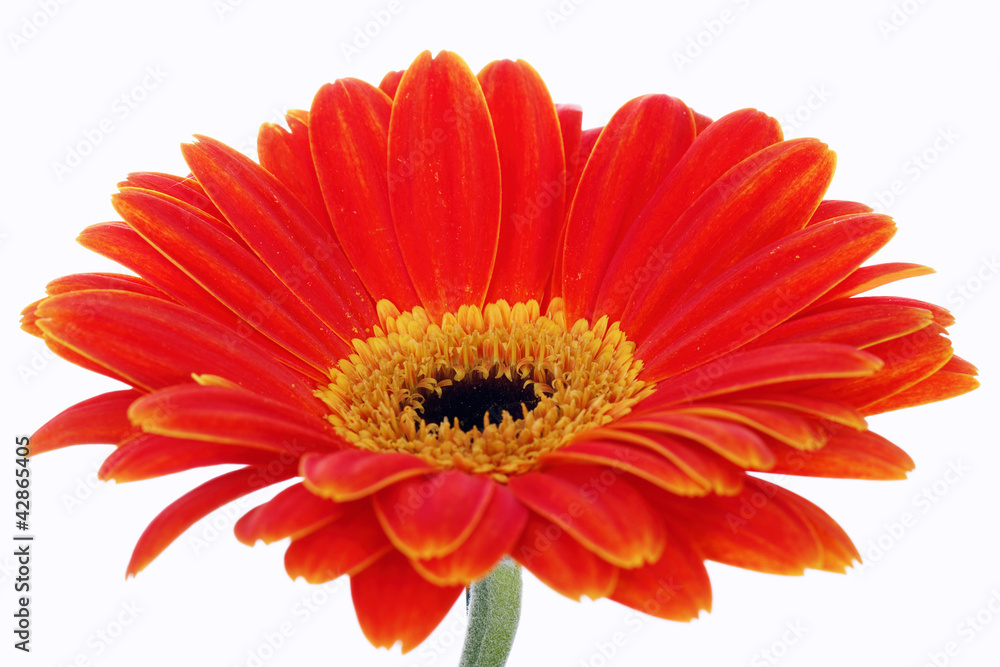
471, 329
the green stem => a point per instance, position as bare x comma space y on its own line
494, 606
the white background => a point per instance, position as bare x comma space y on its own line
879, 97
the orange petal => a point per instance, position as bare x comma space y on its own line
350, 137
120, 243
829, 209
444, 182
355, 473
196, 504
596, 506
908, 360
939, 314
623, 457
831, 412
346, 545
145, 456
750, 369
188, 190
729, 312
730, 441
294, 512
562, 563
837, 552
228, 271
847, 454
532, 170
98, 420
176, 342
751, 529
285, 235
571, 129
937, 387
869, 277
859, 327
752, 207
700, 463
234, 416
287, 155
495, 534
788, 426
390, 82
84, 281
431, 515
637, 149
647, 244
394, 603
676, 587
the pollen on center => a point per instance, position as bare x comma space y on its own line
485, 390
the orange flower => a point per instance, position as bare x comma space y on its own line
474, 330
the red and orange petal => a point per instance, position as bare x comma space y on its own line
708, 242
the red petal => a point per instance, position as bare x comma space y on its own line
495, 534
532, 169
570, 127
646, 246
752, 529
753, 206
98, 420
350, 136
231, 273
122, 244
444, 182
701, 121
431, 515
757, 368
837, 552
787, 426
676, 587
78, 359
847, 454
829, 209
728, 312
869, 277
355, 473
831, 412
194, 505
286, 237
174, 343
622, 457
390, 82
908, 360
28, 319
234, 416
393, 602
562, 563
937, 387
188, 190
113, 281
598, 507
637, 149
146, 456
940, 315
859, 327
959, 365
294, 512
734, 443
346, 546
287, 155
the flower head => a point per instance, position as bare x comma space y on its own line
472, 329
